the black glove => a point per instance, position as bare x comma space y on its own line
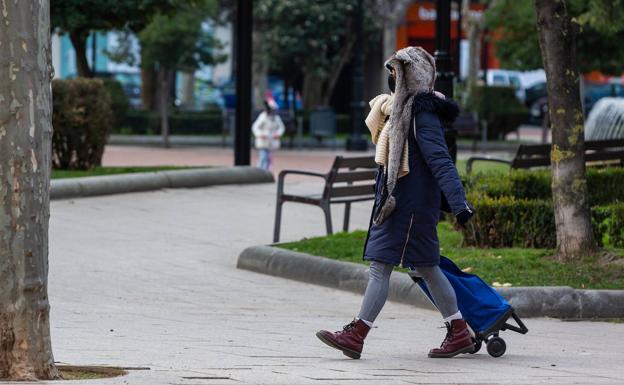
464, 216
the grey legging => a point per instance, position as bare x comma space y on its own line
379, 280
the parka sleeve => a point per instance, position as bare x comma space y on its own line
430, 139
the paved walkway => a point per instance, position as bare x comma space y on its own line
313, 160
149, 281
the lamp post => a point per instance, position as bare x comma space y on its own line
444, 80
356, 142
242, 136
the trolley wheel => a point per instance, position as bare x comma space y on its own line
496, 346
477, 345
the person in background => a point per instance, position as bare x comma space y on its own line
267, 129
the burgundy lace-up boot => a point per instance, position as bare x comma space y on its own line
458, 340
349, 340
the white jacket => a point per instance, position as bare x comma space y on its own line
268, 129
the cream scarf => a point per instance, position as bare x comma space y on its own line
379, 125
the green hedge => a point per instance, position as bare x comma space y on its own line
512, 222
605, 185
609, 224
119, 101
82, 120
500, 108
180, 123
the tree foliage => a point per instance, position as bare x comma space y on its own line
102, 15
601, 31
78, 18
311, 38
179, 39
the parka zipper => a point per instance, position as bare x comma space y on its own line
409, 231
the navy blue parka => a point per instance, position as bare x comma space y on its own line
408, 237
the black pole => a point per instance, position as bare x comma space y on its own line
242, 138
444, 81
459, 38
356, 142
94, 52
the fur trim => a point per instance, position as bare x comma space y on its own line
415, 73
446, 109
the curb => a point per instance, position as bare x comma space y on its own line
557, 301
147, 181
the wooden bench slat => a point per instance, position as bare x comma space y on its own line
609, 155
356, 162
530, 162
345, 191
603, 144
354, 176
537, 149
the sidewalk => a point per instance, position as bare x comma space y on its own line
149, 280
313, 160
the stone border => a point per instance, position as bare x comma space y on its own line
557, 301
147, 181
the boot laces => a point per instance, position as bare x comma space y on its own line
449, 333
348, 326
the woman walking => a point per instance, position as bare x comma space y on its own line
267, 129
417, 179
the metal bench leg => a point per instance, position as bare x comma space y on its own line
328, 219
347, 214
278, 220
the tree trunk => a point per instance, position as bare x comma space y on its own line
312, 91
474, 26
149, 85
163, 107
79, 42
557, 38
25, 150
345, 54
260, 69
187, 101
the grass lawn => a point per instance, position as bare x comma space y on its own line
517, 266
480, 166
99, 171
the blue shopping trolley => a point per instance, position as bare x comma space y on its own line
484, 309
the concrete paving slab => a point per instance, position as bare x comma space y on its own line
149, 280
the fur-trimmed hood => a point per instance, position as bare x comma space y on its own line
446, 109
415, 73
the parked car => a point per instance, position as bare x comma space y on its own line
521, 81
537, 99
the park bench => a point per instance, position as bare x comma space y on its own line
349, 180
536, 155
467, 126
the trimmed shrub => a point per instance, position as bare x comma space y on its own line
511, 222
196, 123
500, 108
82, 120
119, 101
604, 184
609, 224
180, 123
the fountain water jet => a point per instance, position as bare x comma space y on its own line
606, 120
